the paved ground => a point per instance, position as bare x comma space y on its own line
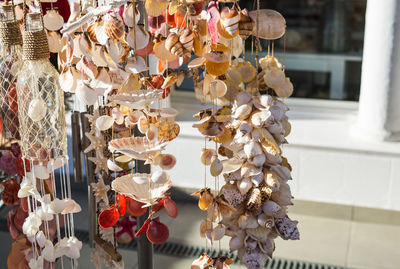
338, 235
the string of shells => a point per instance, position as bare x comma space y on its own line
247, 122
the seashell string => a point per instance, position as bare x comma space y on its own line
245, 116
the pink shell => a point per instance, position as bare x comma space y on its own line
213, 17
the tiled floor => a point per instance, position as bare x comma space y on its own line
330, 234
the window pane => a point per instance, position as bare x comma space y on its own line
322, 48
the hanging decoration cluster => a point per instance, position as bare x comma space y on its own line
246, 120
33, 115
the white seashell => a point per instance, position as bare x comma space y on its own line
270, 208
135, 65
216, 167
274, 77
71, 207
102, 83
282, 172
207, 155
68, 80
141, 178
84, 44
273, 157
41, 171
152, 132
142, 38
272, 182
242, 98
117, 116
243, 112
265, 221
252, 149
54, 164
127, 15
112, 166
277, 112
133, 117
55, 44
160, 177
284, 196
285, 89
244, 185
136, 147
85, 93
257, 179
247, 222
245, 128
218, 88
147, 193
275, 127
231, 165
104, 123
57, 206
37, 109
249, 170
270, 62
230, 20
260, 118
98, 56
259, 160
167, 161
52, 20
263, 101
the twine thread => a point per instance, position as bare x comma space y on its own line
35, 45
10, 34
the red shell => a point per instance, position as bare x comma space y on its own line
144, 227
156, 81
146, 50
19, 217
135, 208
108, 217
157, 232
121, 204
157, 207
170, 207
10, 192
213, 17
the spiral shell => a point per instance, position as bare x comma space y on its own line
230, 20
187, 39
173, 45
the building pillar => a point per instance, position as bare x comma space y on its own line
379, 107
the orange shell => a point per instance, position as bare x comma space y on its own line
155, 8
161, 52
217, 63
198, 44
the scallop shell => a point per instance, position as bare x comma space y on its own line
217, 63
168, 112
160, 177
152, 132
142, 37
155, 8
98, 56
274, 77
52, 20
117, 116
133, 117
161, 52
104, 123
127, 15
136, 147
86, 67
68, 79
112, 166
85, 93
113, 25
146, 193
270, 62
135, 65
103, 82
54, 39
272, 25
37, 109
167, 161
207, 155
143, 124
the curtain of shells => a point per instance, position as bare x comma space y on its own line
104, 63
244, 123
33, 114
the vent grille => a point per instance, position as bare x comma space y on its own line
188, 251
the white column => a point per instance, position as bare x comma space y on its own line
379, 107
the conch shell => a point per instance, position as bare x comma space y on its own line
173, 45
230, 20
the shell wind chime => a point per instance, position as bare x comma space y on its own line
104, 63
247, 122
46, 184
